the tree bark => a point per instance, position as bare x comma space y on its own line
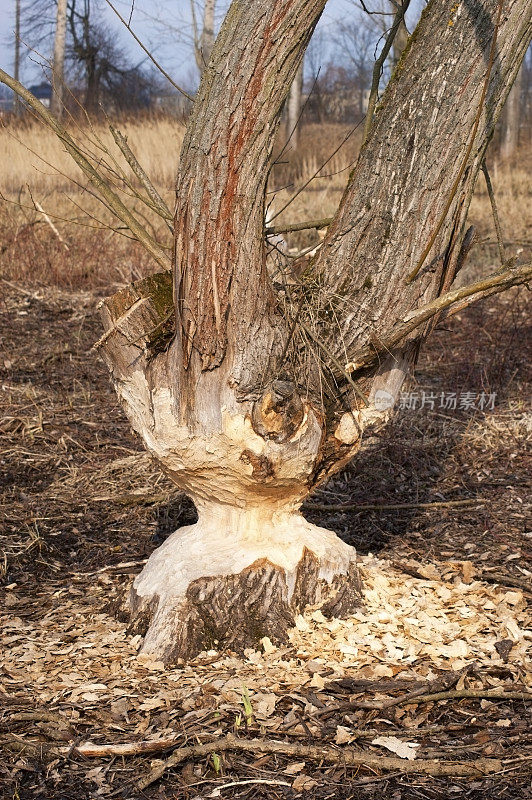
225, 384
58, 62
407, 170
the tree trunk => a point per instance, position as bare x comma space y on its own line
243, 397
58, 62
294, 108
511, 118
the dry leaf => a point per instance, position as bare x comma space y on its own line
303, 783
294, 768
267, 645
343, 735
395, 745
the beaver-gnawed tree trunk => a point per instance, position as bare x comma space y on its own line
249, 399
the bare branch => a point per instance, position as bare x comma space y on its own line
150, 56
449, 303
323, 753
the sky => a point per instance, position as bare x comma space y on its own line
163, 25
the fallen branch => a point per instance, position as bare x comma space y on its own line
322, 753
421, 696
485, 694
507, 580
392, 506
47, 219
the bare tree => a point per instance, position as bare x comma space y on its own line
401, 37
204, 38
511, 118
249, 399
293, 107
16, 70
58, 60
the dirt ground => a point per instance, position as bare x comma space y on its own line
83, 506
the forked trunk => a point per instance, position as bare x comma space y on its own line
246, 399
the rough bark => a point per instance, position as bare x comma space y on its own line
398, 191
58, 61
242, 432
221, 283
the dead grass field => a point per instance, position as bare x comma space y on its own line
83, 506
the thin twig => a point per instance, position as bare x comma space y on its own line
345, 371
496, 221
311, 224
150, 56
155, 197
392, 506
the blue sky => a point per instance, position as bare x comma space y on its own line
169, 39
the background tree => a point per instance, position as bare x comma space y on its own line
294, 106
58, 59
16, 68
204, 37
511, 118
248, 397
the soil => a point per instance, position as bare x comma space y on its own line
83, 506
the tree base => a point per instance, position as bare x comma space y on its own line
205, 589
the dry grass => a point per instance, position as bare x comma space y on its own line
37, 168
32, 154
